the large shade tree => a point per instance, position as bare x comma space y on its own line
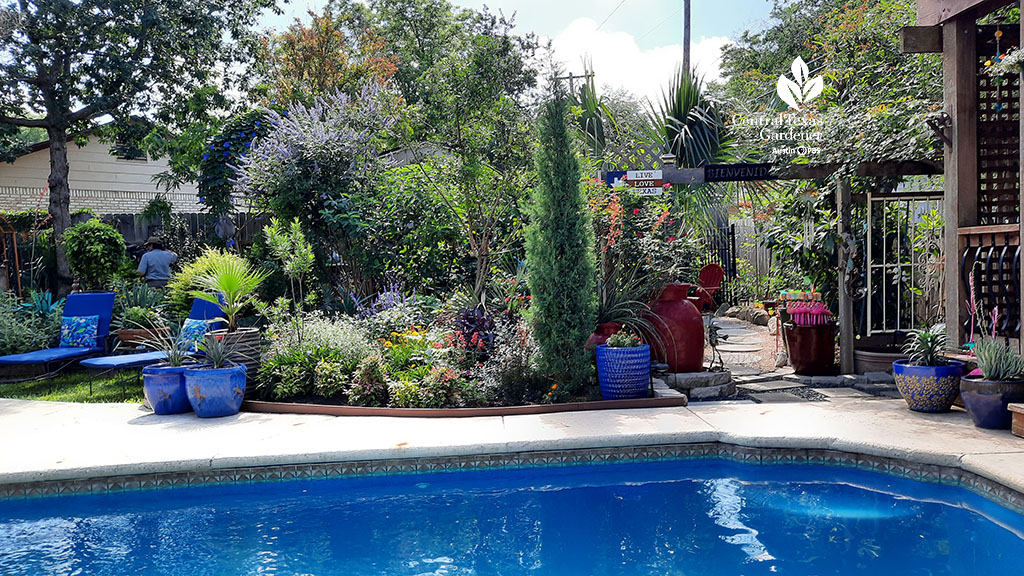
64, 64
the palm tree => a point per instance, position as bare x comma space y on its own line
687, 124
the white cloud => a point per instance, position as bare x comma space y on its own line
619, 62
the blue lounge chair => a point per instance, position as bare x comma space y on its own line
121, 363
206, 310
93, 304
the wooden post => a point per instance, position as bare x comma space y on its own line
960, 92
1020, 213
846, 335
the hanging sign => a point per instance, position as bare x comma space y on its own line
645, 182
737, 172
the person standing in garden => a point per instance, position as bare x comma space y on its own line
155, 266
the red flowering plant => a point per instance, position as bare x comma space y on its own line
640, 244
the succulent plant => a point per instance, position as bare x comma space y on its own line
997, 361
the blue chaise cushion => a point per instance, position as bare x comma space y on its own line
48, 355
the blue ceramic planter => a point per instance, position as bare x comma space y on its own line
164, 387
988, 401
928, 388
624, 372
215, 392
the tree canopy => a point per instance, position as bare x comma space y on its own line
64, 64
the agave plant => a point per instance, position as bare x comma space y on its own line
235, 280
217, 350
169, 341
926, 347
42, 304
997, 361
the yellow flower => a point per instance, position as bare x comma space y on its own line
388, 344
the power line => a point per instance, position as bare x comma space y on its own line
614, 10
666, 19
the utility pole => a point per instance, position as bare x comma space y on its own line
686, 36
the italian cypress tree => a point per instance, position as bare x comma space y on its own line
559, 251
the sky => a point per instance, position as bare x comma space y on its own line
633, 44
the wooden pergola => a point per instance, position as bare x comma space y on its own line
844, 201
982, 160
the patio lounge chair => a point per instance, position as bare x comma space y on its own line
91, 304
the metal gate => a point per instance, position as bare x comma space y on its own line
904, 261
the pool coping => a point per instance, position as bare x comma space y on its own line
57, 448
932, 473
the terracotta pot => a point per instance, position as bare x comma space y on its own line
601, 335
812, 349
133, 337
680, 327
988, 401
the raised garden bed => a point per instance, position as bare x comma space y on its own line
334, 410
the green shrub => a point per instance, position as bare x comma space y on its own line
23, 330
186, 280
298, 346
330, 379
442, 388
95, 253
560, 255
511, 374
369, 384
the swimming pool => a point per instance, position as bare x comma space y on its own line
706, 517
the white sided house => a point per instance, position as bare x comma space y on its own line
99, 181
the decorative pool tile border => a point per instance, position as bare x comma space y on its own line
360, 468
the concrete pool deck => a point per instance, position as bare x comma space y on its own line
51, 441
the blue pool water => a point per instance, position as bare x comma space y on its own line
675, 518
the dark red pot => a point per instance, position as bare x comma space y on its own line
812, 349
601, 335
680, 327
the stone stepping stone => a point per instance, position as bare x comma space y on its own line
844, 393
770, 386
732, 347
740, 371
740, 358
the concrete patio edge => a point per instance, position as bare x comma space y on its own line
51, 442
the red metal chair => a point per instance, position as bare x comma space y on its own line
710, 281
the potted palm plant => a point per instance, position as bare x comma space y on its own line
232, 285
164, 384
624, 367
927, 380
216, 387
987, 398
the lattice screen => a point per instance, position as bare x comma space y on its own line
998, 133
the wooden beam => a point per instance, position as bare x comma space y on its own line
1020, 231
932, 12
846, 332
960, 93
920, 39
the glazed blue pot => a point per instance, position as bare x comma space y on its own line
624, 372
215, 392
988, 401
164, 387
928, 388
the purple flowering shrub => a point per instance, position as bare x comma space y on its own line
316, 159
